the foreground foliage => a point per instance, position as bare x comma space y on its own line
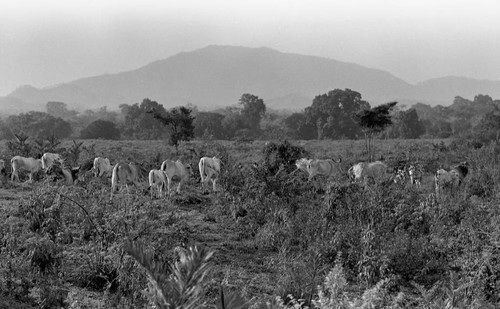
267, 239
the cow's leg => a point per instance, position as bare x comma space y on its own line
179, 187
14, 176
213, 183
169, 180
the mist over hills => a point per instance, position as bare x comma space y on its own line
216, 76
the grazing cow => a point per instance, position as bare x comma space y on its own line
157, 179
124, 173
102, 166
444, 179
450, 179
302, 164
209, 170
49, 158
172, 169
69, 175
364, 171
321, 167
21, 163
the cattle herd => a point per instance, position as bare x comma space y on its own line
209, 167
378, 171
122, 174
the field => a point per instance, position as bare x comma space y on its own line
328, 243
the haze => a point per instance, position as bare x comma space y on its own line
43, 43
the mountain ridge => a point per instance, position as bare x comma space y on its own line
217, 75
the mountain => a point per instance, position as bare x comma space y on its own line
217, 76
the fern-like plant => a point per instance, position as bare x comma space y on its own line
174, 286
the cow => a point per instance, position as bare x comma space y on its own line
158, 179
124, 173
321, 167
49, 158
102, 166
209, 170
172, 169
363, 171
21, 163
69, 175
450, 179
302, 164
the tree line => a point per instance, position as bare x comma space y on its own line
333, 115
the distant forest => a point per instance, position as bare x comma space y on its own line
330, 116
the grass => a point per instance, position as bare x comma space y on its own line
248, 259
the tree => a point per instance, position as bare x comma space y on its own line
374, 121
101, 129
60, 109
209, 123
139, 122
298, 127
39, 125
180, 124
408, 125
332, 114
253, 111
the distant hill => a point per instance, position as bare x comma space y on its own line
216, 76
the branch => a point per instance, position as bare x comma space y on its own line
85, 211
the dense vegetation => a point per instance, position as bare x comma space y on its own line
327, 243
331, 116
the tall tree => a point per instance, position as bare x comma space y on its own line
253, 110
374, 121
208, 123
139, 122
101, 129
333, 113
180, 124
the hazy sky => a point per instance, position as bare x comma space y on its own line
43, 43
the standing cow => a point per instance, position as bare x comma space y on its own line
450, 179
209, 170
124, 174
172, 169
21, 163
364, 171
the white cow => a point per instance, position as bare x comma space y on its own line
172, 169
49, 158
124, 173
321, 167
21, 163
102, 166
450, 179
209, 170
302, 164
364, 171
158, 179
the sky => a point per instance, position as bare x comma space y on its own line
47, 42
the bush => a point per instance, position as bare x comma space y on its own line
101, 129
